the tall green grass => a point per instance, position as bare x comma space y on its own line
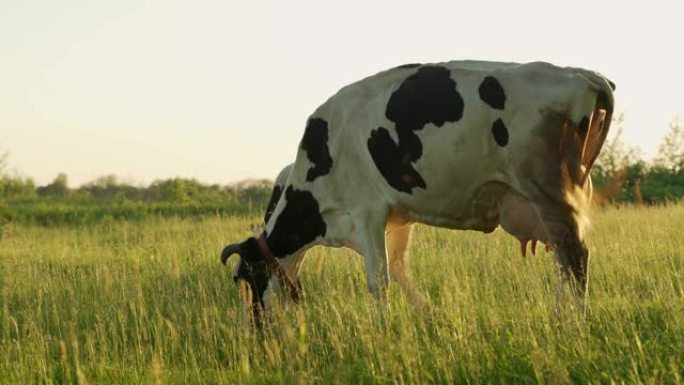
147, 302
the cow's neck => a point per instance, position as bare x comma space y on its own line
275, 267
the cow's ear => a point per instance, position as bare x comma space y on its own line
230, 250
250, 251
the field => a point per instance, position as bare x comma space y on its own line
147, 302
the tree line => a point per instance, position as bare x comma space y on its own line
108, 197
622, 176
110, 189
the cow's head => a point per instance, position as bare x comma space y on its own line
251, 272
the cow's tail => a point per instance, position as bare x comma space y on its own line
599, 123
584, 133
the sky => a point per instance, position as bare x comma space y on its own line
220, 90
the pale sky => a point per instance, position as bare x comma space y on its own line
220, 90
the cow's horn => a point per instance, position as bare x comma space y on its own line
228, 251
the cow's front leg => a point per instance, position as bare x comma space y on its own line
276, 292
370, 235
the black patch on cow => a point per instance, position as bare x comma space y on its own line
299, 224
583, 125
409, 66
393, 163
500, 133
492, 93
273, 202
427, 96
315, 143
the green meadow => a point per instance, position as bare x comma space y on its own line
148, 302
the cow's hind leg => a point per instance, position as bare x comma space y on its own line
398, 240
275, 292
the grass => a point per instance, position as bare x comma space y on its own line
147, 302
72, 211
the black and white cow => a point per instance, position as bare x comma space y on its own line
463, 145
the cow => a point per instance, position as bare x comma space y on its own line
465, 145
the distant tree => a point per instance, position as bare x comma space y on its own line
109, 187
3, 162
665, 181
14, 186
254, 192
618, 167
105, 181
630, 182
173, 190
57, 188
662, 185
671, 152
615, 154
